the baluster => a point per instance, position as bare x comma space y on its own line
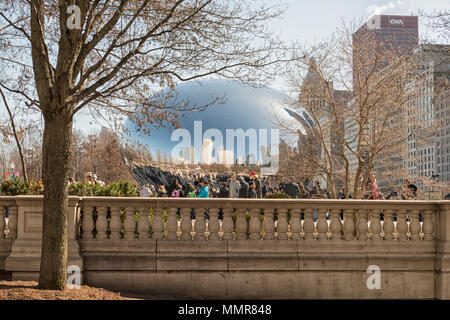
227, 224
12, 223
241, 225
255, 224
2, 223
375, 225
115, 224
336, 225
130, 223
157, 224
308, 224
186, 222
88, 223
282, 225
172, 224
213, 224
388, 225
322, 225
296, 224
361, 224
428, 226
200, 224
402, 226
143, 223
349, 224
269, 224
414, 225
102, 223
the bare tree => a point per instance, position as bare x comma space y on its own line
112, 54
356, 96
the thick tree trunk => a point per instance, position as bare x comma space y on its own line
56, 156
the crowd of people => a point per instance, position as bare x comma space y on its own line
209, 185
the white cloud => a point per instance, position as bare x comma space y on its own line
376, 10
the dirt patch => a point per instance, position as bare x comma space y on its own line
27, 290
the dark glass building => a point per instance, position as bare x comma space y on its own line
391, 35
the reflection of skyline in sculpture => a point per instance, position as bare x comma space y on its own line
246, 112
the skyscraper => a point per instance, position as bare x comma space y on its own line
381, 39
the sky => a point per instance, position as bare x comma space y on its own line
310, 21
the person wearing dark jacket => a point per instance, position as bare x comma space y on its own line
258, 184
292, 189
267, 189
252, 190
224, 191
243, 190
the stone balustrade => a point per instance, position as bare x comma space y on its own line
241, 219
242, 248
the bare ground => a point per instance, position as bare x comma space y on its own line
27, 290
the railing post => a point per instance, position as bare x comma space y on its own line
402, 226
102, 223
143, 223
241, 224
12, 223
200, 224
428, 227
375, 225
349, 225
213, 224
227, 224
282, 225
322, 225
157, 224
308, 224
255, 224
269, 224
88, 223
130, 223
171, 224
115, 224
296, 224
388, 225
186, 222
414, 226
336, 225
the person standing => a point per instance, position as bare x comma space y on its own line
234, 187
162, 191
258, 184
252, 190
267, 189
224, 191
304, 193
145, 191
243, 190
204, 189
190, 191
292, 189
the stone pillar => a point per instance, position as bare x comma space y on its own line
25, 258
442, 279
